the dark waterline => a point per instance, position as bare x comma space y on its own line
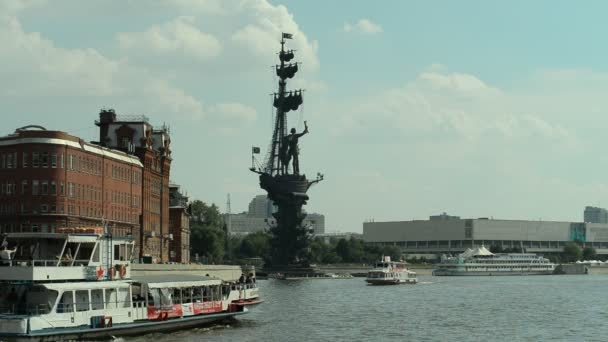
517, 308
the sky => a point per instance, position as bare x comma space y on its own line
474, 108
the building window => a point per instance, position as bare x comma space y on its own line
71, 162
62, 188
34, 228
53, 188
45, 187
3, 161
24, 159
62, 161
44, 208
54, 160
9, 161
3, 189
53, 208
35, 187
35, 159
44, 160
71, 189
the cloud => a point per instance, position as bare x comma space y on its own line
365, 26
176, 38
448, 105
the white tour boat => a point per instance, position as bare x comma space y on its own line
77, 284
387, 272
480, 261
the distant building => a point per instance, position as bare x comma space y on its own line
327, 237
179, 226
316, 222
443, 217
261, 206
243, 224
596, 215
259, 218
455, 235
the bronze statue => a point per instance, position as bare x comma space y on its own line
291, 150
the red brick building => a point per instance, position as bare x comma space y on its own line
136, 136
51, 179
179, 226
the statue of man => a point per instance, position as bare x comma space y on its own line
291, 143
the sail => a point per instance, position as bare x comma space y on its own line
290, 102
287, 71
286, 56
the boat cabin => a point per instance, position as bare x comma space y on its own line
83, 254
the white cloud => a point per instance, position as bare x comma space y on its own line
365, 26
176, 38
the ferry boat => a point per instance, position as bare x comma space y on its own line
480, 261
77, 284
387, 272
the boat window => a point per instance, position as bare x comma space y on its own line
82, 300
66, 304
215, 293
187, 295
110, 298
39, 300
124, 300
84, 253
177, 296
162, 298
96, 254
197, 295
97, 299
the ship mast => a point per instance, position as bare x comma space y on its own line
284, 101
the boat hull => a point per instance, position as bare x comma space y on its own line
127, 329
490, 273
391, 281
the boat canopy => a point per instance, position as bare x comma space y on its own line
176, 281
478, 251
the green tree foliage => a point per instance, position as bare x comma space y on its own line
207, 237
393, 251
255, 245
589, 253
572, 252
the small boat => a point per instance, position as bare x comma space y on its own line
387, 272
77, 285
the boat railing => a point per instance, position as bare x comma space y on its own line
44, 263
21, 309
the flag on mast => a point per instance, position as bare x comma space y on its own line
255, 150
287, 36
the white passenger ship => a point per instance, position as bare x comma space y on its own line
78, 285
387, 272
480, 261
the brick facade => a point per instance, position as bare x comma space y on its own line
50, 179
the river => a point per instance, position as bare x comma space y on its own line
510, 308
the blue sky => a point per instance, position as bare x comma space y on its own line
476, 108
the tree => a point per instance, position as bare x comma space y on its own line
572, 252
255, 245
393, 251
207, 231
589, 253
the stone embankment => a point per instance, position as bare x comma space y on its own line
228, 273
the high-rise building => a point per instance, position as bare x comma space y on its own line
261, 206
596, 215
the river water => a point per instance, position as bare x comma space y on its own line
516, 308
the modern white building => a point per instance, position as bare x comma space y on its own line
455, 235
